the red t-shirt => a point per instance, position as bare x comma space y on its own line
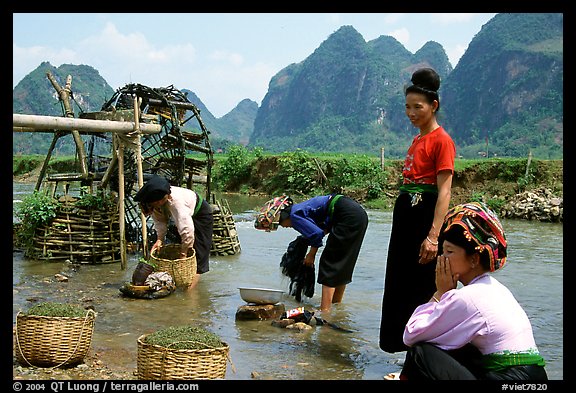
427, 156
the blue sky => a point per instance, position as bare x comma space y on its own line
222, 57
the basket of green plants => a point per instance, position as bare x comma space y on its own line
53, 334
182, 352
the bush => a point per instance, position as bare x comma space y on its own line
36, 210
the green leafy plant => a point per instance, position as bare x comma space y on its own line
236, 167
35, 211
98, 201
148, 262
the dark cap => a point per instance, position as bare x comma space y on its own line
153, 190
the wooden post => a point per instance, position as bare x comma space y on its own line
120, 153
46, 161
528, 164
64, 95
137, 101
382, 157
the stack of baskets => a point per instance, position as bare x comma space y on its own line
182, 270
44, 341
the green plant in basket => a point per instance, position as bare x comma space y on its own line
53, 309
99, 201
184, 337
148, 262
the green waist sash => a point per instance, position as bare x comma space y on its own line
332, 203
419, 188
500, 361
198, 204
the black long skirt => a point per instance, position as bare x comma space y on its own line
338, 259
203, 229
407, 283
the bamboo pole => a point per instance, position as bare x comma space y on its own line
64, 94
39, 123
46, 161
137, 102
120, 153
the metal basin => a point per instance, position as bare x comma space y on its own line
260, 295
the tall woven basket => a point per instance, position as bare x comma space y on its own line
43, 341
158, 362
168, 260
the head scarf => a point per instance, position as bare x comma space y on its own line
267, 219
153, 190
482, 227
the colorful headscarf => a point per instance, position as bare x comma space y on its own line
268, 217
481, 226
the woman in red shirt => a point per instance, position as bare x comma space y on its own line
418, 213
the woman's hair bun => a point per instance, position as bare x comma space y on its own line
426, 78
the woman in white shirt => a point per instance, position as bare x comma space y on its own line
181, 208
478, 331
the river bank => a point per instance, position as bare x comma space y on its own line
529, 189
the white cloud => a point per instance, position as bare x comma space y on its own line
221, 88
26, 60
231, 58
402, 35
455, 52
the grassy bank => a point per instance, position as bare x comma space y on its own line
375, 184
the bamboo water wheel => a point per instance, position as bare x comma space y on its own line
169, 139
180, 152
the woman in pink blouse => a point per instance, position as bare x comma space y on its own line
477, 331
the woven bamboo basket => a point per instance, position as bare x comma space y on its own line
158, 362
168, 260
43, 341
80, 234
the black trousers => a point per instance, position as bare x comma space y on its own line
425, 361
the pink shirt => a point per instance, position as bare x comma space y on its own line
483, 313
181, 208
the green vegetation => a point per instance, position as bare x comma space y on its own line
303, 174
52, 309
35, 211
99, 201
184, 337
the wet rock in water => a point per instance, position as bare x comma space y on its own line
61, 277
282, 323
299, 326
260, 311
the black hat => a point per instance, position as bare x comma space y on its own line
153, 190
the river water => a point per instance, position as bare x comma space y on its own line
534, 273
